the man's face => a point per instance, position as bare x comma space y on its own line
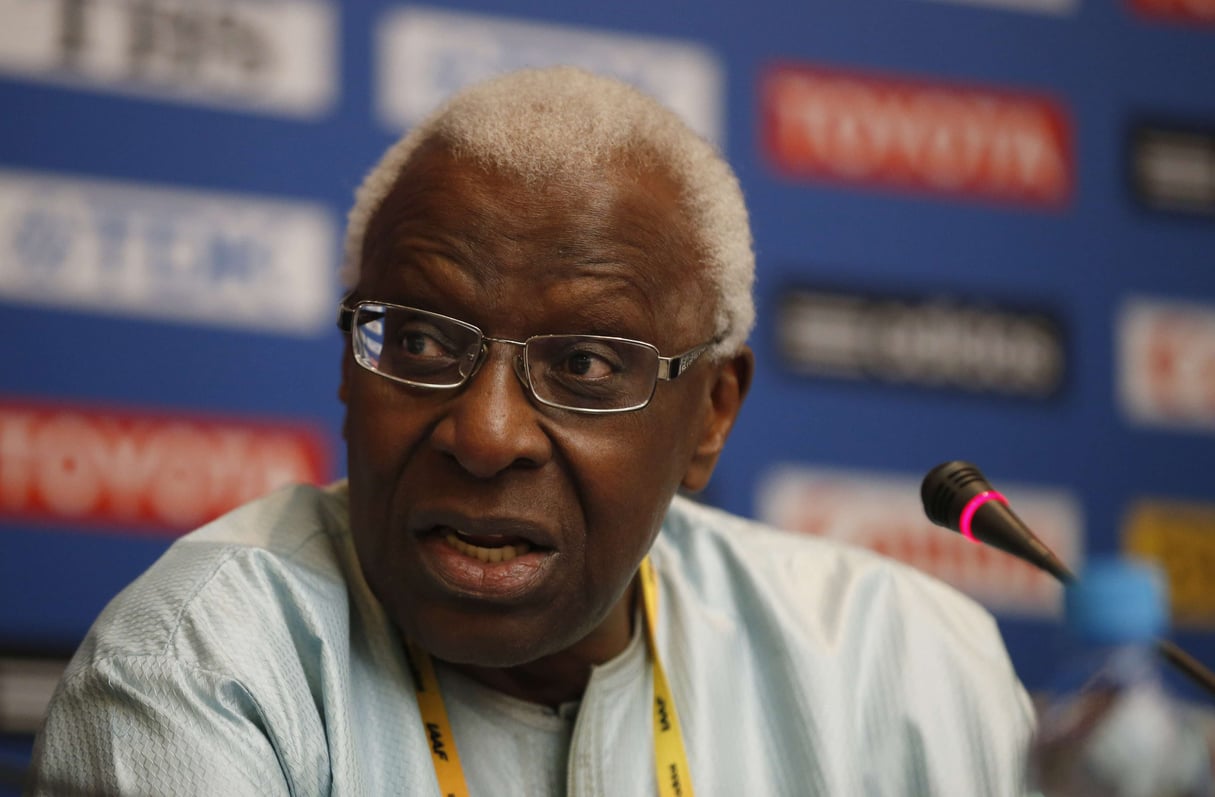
582, 496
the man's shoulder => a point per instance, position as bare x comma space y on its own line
228, 653
704, 533
282, 522
809, 580
844, 649
253, 571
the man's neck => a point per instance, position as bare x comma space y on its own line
562, 677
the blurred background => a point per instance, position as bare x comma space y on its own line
985, 230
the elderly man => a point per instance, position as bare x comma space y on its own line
549, 301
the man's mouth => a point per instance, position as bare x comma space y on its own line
486, 548
496, 557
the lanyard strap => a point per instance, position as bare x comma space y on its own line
435, 723
670, 760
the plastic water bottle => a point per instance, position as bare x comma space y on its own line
1111, 729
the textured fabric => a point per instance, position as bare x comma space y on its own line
523, 748
252, 659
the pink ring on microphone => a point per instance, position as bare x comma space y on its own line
972, 506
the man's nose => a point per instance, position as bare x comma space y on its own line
491, 424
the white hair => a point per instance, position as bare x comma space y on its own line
540, 123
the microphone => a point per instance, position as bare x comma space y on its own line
957, 496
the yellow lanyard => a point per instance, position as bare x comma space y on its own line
670, 760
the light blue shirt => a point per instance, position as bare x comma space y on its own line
253, 659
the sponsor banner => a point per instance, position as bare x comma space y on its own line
1166, 363
929, 342
1034, 6
270, 56
220, 259
1173, 168
1200, 11
820, 123
883, 512
144, 471
1180, 537
427, 54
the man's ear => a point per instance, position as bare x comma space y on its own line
344, 385
731, 383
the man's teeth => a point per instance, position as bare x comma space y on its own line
503, 554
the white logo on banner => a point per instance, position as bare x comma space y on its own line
210, 258
427, 54
1166, 363
883, 513
930, 341
273, 56
1174, 168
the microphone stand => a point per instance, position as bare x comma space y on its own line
1170, 651
1187, 665
955, 493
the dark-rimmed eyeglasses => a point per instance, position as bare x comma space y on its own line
582, 373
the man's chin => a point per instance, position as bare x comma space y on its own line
502, 634
495, 648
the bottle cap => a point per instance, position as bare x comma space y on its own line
1117, 601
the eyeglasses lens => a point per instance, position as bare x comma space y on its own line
414, 346
591, 373
580, 372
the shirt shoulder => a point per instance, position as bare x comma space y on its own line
222, 668
818, 587
843, 650
268, 566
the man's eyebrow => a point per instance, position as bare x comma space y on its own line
602, 310
449, 247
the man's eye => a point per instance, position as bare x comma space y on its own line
587, 365
419, 344
424, 343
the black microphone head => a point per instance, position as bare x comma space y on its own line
948, 488
958, 496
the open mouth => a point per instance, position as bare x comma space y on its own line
490, 548
495, 557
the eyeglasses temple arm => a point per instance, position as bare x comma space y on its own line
671, 367
345, 317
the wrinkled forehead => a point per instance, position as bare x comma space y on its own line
442, 177
626, 214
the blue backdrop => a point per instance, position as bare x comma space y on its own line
985, 230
